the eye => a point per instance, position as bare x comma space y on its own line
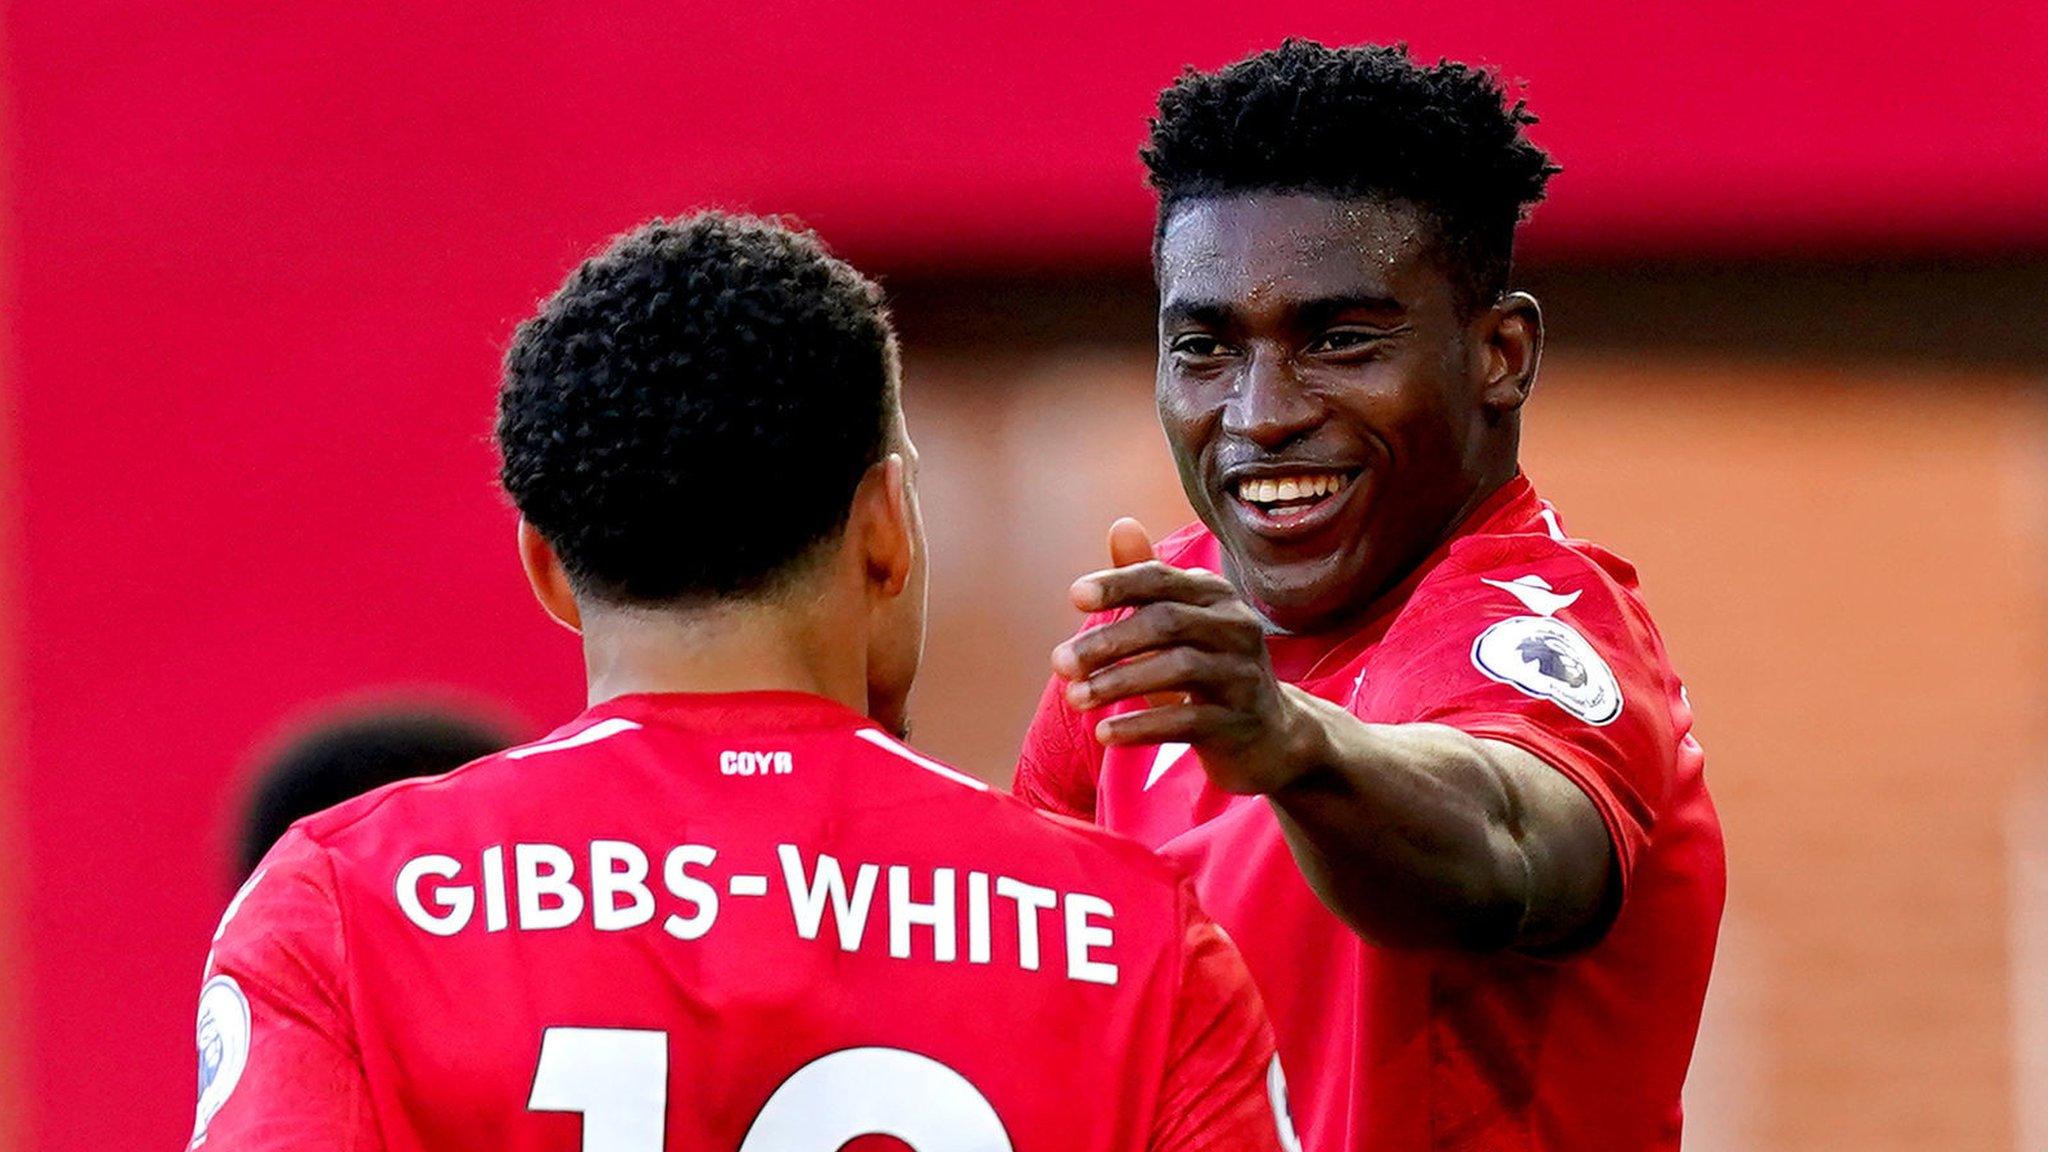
1197, 346
1346, 340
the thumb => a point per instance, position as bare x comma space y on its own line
1129, 543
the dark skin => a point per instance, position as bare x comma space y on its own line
1307, 336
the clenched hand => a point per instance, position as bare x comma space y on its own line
1196, 652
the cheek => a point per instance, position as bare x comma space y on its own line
1411, 408
1187, 419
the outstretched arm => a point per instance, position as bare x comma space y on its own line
1416, 834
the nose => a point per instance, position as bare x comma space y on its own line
1270, 407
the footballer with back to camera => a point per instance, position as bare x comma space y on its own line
1419, 745
726, 907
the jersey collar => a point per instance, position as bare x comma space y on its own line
762, 711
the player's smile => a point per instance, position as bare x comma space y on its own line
1316, 387
1286, 501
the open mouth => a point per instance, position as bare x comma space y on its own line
1290, 501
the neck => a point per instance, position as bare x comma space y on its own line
752, 647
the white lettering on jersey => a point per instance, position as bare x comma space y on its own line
736, 763
854, 1092
1083, 935
977, 918
545, 890
683, 886
495, 916
937, 915
1031, 900
807, 897
458, 901
618, 869
548, 896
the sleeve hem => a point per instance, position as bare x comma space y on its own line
1622, 832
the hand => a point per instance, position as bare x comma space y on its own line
1197, 653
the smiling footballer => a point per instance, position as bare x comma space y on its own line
1420, 747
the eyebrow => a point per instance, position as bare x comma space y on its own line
1313, 312
1324, 309
1207, 313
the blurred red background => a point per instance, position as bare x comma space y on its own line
260, 261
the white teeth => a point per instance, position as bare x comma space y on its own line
1303, 487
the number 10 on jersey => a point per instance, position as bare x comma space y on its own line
617, 1078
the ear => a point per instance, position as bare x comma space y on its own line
1512, 350
549, 581
882, 522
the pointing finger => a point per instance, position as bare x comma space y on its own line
1144, 583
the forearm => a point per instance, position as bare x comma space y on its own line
1411, 833
1418, 835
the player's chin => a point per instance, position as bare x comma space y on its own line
1308, 613
1297, 592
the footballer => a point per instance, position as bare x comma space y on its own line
1419, 745
725, 908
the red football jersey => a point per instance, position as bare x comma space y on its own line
749, 921
1512, 631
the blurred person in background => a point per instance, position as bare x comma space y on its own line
725, 906
352, 751
1421, 747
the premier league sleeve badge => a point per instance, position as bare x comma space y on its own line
1544, 657
223, 1038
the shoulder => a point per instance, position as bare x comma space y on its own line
1102, 852
1531, 572
400, 800
1491, 551
1551, 619
283, 926
1075, 846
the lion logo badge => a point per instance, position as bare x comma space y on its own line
1544, 657
223, 1048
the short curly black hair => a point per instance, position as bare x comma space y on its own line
1363, 122
688, 417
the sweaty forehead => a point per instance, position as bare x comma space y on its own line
1274, 247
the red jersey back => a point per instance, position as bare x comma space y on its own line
751, 921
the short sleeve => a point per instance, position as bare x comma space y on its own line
1056, 769
278, 1064
1530, 642
1223, 1088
